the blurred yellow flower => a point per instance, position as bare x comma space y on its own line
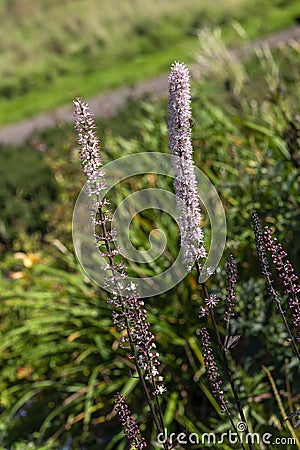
28, 259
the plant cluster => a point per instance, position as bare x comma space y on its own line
129, 313
62, 359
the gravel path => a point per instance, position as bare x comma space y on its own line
108, 104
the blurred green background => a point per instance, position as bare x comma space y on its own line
52, 51
60, 364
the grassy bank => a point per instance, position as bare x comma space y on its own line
54, 51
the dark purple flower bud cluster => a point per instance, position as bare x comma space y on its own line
230, 299
212, 370
262, 256
185, 185
262, 242
286, 273
130, 428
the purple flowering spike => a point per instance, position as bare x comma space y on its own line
130, 428
286, 272
262, 242
129, 312
185, 186
212, 370
230, 294
262, 256
89, 146
89, 149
